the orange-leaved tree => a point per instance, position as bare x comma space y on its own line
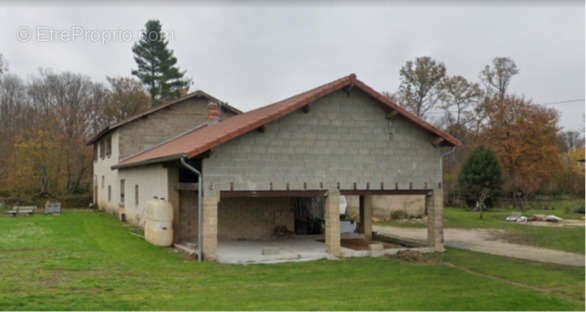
524, 136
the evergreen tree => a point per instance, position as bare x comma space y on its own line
157, 66
480, 179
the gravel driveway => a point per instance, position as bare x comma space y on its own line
481, 240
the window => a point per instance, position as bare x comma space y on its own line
109, 193
122, 192
102, 149
108, 146
95, 151
103, 181
136, 194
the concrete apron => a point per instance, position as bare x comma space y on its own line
299, 249
289, 250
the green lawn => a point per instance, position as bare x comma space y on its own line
568, 238
89, 261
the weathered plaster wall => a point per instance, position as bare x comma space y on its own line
343, 139
152, 181
103, 172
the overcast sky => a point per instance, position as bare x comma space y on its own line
252, 55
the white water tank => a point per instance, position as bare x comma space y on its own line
158, 229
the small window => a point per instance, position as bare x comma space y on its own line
102, 149
136, 194
103, 181
122, 192
108, 146
109, 193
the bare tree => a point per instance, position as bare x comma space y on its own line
497, 77
3, 65
459, 94
126, 97
420, 80
570, 140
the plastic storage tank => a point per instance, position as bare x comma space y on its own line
158, 228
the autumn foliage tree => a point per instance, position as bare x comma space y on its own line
524, 136
46, 122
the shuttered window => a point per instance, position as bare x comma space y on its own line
136, 194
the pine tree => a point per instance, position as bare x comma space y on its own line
157, 66
480, 179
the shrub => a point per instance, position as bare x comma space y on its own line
398, 214
480, 178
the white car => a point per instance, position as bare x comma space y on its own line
343, 204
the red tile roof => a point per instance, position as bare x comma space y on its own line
132, 118
206, 138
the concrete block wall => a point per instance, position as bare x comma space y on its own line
254, 218
343, 139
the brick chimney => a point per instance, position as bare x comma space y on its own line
213, 113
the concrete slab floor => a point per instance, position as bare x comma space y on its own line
290, 250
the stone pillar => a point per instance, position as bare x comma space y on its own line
332, 218
434, 204
211, 200
367, 222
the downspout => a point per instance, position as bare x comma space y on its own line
441, 170
441, 185
199, 204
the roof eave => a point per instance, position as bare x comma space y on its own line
149, 161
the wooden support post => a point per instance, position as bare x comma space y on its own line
368, 206
361, 213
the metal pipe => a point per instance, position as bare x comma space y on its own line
199, 205
441, 171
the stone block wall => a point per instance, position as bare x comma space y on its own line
167, 123
254, 218
385, 205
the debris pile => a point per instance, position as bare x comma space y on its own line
539, 217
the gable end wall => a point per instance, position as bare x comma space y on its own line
157, 127
343, 139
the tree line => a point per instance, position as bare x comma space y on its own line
534, 154
47, 119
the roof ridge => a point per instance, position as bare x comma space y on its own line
197, 142
156, 108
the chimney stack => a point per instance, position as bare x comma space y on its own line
213, 113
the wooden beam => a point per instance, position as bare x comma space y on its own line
386, 192
392, 114
437, 141
269, 194
348, 88
317, 193
185, 186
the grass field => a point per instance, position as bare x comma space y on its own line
570, 239
89, 261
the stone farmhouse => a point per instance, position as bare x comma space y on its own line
264, 170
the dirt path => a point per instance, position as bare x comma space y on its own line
481, 240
